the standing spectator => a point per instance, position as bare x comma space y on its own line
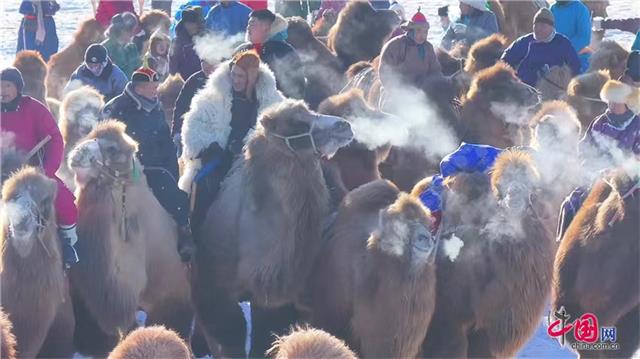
107, 9
205, 5
157, 58
267, 33
139, 108
302, 8
182, 57
533, 54
120, 49
398, 9
443, 14
476, 22
98, 72
573, 20
164, 5
30, 122
228, 18
256, 4
38, 28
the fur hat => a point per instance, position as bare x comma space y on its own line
418, 21
249, 61
476, 4
544, 16
619, 92
12, 74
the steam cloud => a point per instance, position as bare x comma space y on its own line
215, 48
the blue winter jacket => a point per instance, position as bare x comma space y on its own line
573, 20
636, 43
480, 24
110, 83
206, 6
530, 58
228, 20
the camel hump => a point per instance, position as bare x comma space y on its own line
30, 62
28, 179
588, 84
373, 195
310, 343
486, 52
151, 342
357, 68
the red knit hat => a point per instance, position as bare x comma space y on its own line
418, 21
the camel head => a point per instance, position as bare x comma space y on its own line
485, 53
513, 180
28, 197
107, 153
80, 113
556, 127
151, 342
89, 32
294, 129
31, 64
299, 32
404, 232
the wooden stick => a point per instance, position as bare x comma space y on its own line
38, 147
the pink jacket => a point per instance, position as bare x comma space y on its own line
31, 123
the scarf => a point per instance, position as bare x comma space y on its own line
620, 122
548, 39
11, 106
144, 103
422, 51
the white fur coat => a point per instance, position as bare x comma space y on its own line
209, 119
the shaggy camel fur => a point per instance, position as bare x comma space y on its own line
495, 109
322, 25
374, 281
583, 94
360, 32
553, 86
609, 56
515, 18
7, 339
80, 114
34, 71
33, 283
323, 70
54, 108
357, 163
263, 231
596, 267
128, 240
494, 263
65, 62
152, 342
309, 343
168, 92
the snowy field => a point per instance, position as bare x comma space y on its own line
73, 11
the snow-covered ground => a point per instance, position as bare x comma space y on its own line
73, 11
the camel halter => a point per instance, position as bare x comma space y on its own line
287, 139
630, 193
41, 224
554, 84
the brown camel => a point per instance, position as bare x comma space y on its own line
34, 293
152, 21
360, 32
374, 281
54, 108
494, 263
322, 25
127, 239
495, 109
584, 95
309, 343
553, 85
65, 62
168, 92
263, 231
323, 70
152, 342
609, 56
515, 18
357, 163
597, 269
7, 339
34, 71
80, 115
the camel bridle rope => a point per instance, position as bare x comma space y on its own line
287, 139
41, 224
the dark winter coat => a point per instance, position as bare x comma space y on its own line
183, 103
480, 24
182, 56
29, 25
530, 58
110, 83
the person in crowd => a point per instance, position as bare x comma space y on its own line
157, 58
193, 84
37, 29
139, 108
636, 42
228, 18
533, 54
398, 9
122, 51
30, 122
632, 73
98, 72
288, 8
476, 22
267, 34
164, 5
256, 4
443, 14
573, 20
218, 122
107, 9
409, 58
182, 56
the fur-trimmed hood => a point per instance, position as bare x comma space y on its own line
209, 119
619, 92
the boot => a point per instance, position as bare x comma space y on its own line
69, 238
186, 246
